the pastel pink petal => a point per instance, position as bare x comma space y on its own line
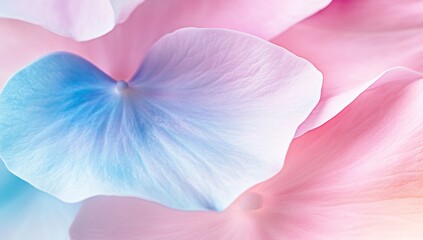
85, 20
120, 52
352, 43
22, 43
79, 19
265, 18
359, 176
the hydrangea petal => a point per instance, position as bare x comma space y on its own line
120, 52
356, 43
359, 176
209, 114
26, 212
77, 19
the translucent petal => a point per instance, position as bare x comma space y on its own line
120, 52
77, 18
359, 176
357, 43
209, 114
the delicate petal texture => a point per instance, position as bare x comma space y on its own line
82, 20
21, 43
352, 43
27, 213
359, 176
265, 18
209, 114
123, 8
120, 52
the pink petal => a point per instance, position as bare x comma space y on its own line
359, 176
79, 19
120, 52
352, 43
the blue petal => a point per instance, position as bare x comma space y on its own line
27, 213
209, 114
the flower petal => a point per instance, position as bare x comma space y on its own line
209, 114
265, 18
359, 176
356, 43
77, 19
26, 213
120, 52
80, 19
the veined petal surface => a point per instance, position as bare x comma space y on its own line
209, 114
120, 52
359, 176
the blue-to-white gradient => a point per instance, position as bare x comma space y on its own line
209, 114
27, 213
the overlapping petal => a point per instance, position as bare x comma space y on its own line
29, 213
85, 20
352, 43
209, 114
359, 176
79, 19
120, 52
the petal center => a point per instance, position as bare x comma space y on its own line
121, 85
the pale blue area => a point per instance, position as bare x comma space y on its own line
11, 187
192, 130
27, 213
